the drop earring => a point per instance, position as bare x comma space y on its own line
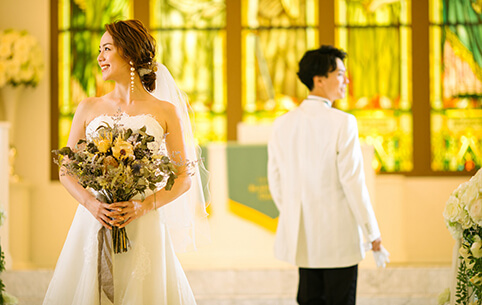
132, 75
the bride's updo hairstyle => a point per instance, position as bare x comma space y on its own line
136, 45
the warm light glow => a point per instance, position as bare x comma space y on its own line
275, 36
78, 73
191, 39
380, 90
456, 87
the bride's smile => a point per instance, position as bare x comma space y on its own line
113, 65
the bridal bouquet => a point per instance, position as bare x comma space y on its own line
118, 164
463, 217
21, 59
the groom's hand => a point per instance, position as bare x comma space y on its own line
376, 244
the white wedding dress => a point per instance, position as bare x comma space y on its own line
148, 273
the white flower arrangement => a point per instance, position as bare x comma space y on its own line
463, 217
463, 209
6, 298
21, 59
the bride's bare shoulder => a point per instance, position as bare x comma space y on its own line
163, 107
88, 108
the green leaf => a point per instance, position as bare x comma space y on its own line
127, 134
170, 183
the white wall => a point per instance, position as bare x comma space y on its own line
50, 207
409, 210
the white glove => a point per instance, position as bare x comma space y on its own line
381, 257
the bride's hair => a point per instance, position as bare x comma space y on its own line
138, 46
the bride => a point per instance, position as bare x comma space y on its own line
148, 273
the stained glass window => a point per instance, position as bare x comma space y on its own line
276, 34
191, 40
456, 84
377, 38
81, 25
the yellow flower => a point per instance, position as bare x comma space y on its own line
103, 145
122, 149
103, 142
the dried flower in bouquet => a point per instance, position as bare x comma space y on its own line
118, 164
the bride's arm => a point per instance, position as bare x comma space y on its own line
176, 148
77, 131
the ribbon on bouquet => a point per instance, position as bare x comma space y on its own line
104, 265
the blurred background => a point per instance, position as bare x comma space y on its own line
415, 72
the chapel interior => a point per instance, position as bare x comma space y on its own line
415, 71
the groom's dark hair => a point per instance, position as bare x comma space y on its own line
318, 62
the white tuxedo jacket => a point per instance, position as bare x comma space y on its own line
316, 179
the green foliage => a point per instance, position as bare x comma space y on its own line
2, 268
462, 295
469, 275
87, 22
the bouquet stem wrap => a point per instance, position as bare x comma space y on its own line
115, 242
120, 241
105, 265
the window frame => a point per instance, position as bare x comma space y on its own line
420, 75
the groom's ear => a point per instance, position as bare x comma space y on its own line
317, 81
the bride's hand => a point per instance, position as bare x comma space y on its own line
125, 212
102, 212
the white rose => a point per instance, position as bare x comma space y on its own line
9, 37
455, 229
477, 176
26, 75
3, 74
5, 50
36, 57
453, 210
23, 47
29, 40
465, 220
461, 189
470, 194
12, 69
475, 210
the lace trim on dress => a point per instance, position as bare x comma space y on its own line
122, 114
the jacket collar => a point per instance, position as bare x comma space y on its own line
314, 99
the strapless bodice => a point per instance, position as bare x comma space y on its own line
134, 122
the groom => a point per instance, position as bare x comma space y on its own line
316, 179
